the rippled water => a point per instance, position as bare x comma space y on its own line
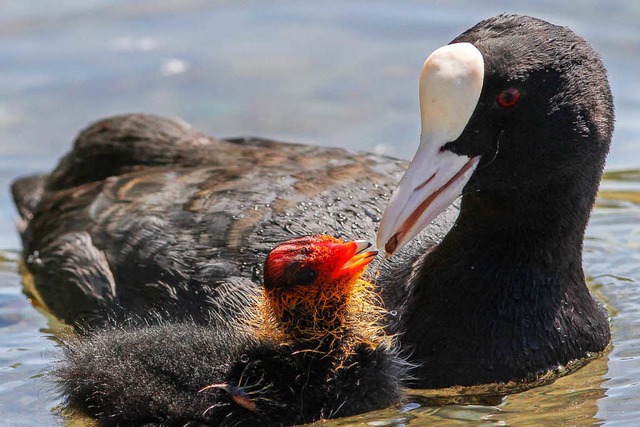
337, 73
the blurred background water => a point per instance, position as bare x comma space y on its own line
341, 73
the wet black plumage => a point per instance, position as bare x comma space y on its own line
182, 219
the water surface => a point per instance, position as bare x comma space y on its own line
340, 73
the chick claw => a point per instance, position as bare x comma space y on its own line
238, 395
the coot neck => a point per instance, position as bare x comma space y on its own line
508, 239
543, 226
504, 294
304, 322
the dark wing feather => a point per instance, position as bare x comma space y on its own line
162, 216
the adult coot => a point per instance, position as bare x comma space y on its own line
517, 116
311, 346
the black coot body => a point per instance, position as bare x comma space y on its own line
147, 213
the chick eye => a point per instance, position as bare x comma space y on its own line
508, 97
306, 276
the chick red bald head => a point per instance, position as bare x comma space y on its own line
313, 289
315, 260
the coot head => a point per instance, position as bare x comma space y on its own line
512, 106
314, 274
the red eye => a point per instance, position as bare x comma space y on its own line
508, 97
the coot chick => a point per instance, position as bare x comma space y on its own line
517, 116
311, 346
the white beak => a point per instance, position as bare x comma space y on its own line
450, 86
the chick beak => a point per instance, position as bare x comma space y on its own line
353, 258
237, 394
